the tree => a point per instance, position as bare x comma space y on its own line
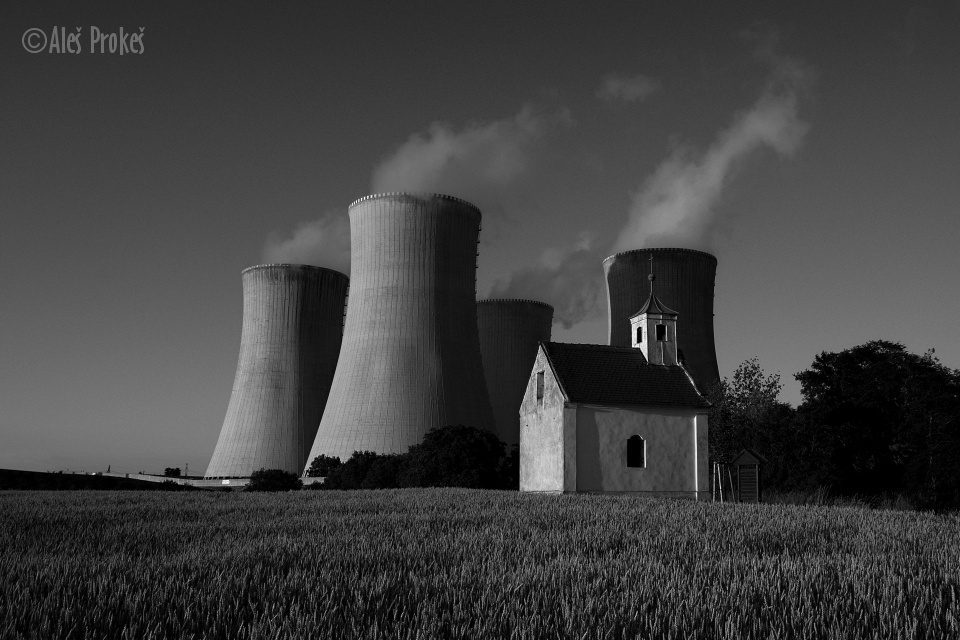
454, 456
877, 418
322, 465
171, 472
273, 480
746, 412
509, 472
383, 472
350, 474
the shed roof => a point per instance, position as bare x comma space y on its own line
598, 374
748, 456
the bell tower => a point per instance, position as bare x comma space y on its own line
653, 329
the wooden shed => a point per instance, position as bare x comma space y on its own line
746, 467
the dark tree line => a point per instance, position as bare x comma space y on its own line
875, 420
454, 456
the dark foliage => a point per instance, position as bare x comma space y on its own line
171, 485
383, 472
350, 474
30, 480
322, 465
510, 470
879, 419
876, 421
273, 480
744, 410
455, 456
172, 472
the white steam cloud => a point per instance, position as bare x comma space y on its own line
476, 162
570, 279
324, 242
617, 87
472, 162
675, 205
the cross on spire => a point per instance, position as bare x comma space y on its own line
651, 277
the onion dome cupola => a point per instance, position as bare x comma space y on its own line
653, 328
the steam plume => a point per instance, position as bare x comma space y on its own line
570, 279
472, 163
627, 88
676, 204
324, 242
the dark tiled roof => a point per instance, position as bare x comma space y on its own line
598, 374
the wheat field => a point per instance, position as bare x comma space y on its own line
448, 563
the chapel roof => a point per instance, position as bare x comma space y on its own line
604, 375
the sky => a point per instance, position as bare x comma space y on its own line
812, 147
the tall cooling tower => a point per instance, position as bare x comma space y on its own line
685, 280
292, 327
411, 356
510, 331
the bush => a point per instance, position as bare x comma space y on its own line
322, 465
351, 474
172, 485
456, 456
510, 470
273, 480
171, 472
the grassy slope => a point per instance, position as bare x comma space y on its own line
457, 563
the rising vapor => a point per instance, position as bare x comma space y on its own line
324, 242
570, 279
474, 162
675, 206
616, 87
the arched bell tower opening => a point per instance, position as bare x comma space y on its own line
654, 328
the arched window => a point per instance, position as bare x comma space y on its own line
636, 452
639, 335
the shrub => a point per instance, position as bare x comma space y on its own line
509, 472
455, 456
273, 480
383, 472
350, 474
322, 465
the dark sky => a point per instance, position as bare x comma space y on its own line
812, 147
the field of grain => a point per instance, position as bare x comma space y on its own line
467, 564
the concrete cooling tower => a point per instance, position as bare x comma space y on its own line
411, 356
292, 327
685, 280
510, 331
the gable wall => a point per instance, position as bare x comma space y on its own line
547, 457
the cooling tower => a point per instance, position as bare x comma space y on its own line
510, 331
292, 327
685, 280
411, 356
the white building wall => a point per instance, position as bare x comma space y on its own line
703, 455
676, 450
547, 441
